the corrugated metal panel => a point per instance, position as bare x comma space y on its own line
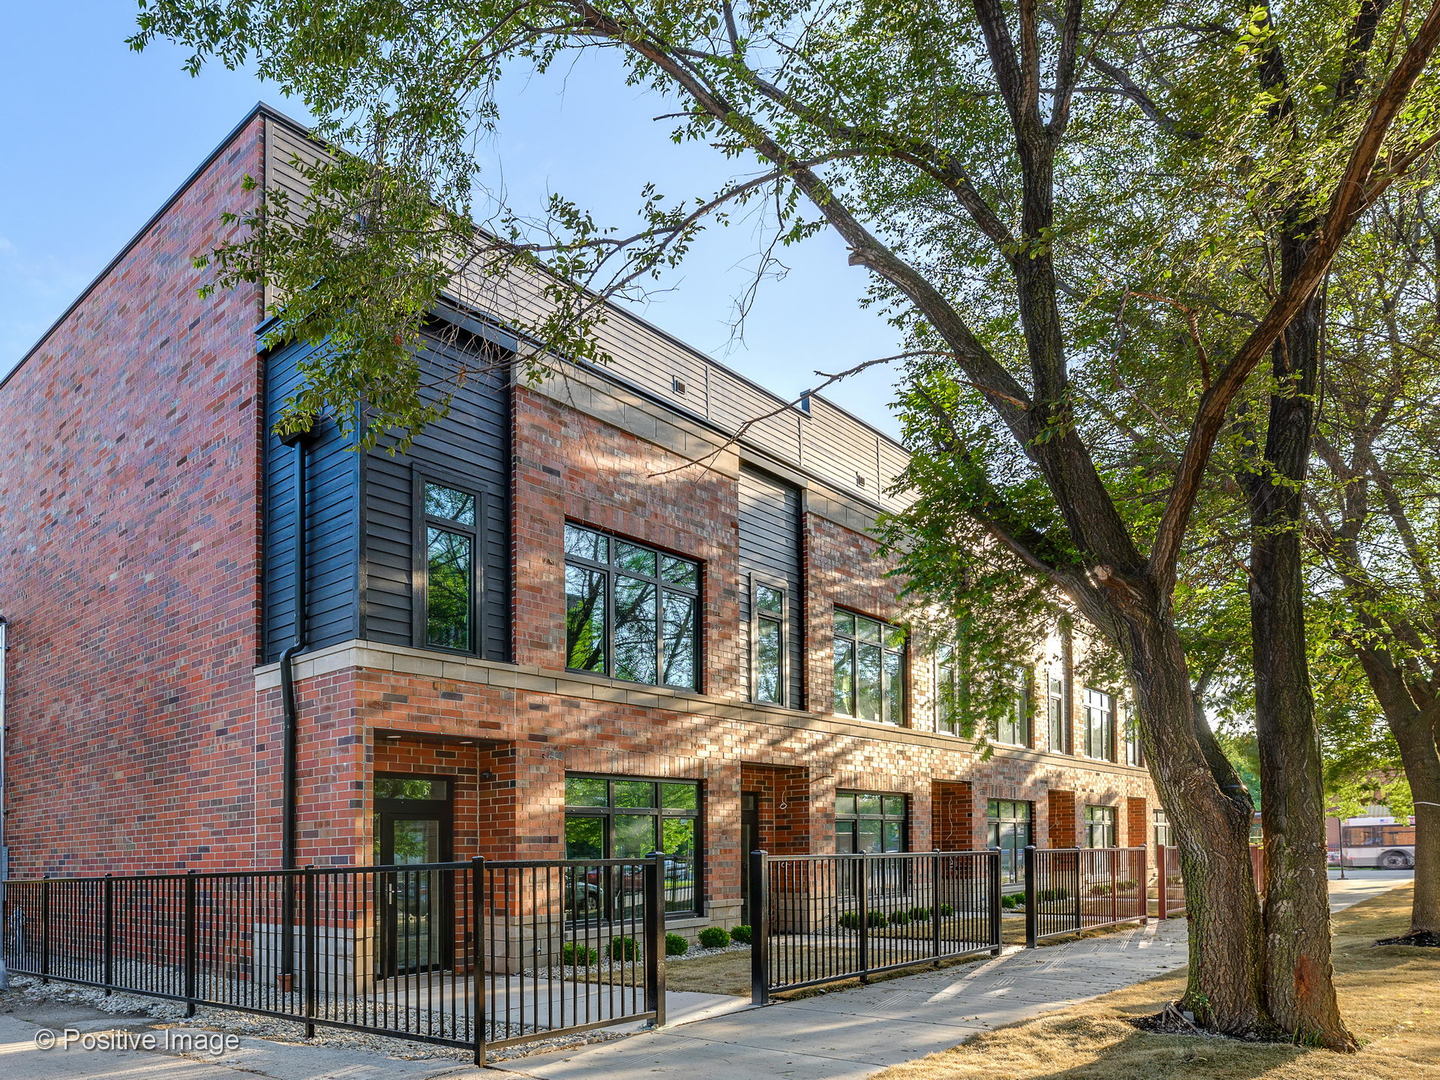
332, 538
473, 444
770, 548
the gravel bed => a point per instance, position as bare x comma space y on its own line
606, 966
172, 1013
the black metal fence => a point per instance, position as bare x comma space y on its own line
822, 918
1068, 890
474, 954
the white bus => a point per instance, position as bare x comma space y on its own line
1384, 842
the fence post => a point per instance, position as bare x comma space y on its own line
189, 943
935, 863
108, 917
45, 928
1032, 914
1162, 884
310, 951
478, 961
655, 937
1079, 878
1111, 858
995, 941
862, 893
760, 928
1144, 895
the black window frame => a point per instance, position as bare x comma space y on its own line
1107, 729
422, 522
1058, 712
613, 571
1164, 828
1109, 821
952, 690
1012, 869
1132, 753
855, 641
854, 818
758, 581
659, 813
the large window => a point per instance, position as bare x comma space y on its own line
630, 611
1099, 725
620, 818
1099, 826
1057, 711
1012, 726
769, 616
449, 521
1011, 826
869, 668
869, 822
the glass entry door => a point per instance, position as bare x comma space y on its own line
413, 829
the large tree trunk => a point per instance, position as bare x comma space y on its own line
1210, 810
1420, 751
1298, 979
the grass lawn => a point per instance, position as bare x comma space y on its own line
1390, 996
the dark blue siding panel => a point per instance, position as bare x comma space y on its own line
770, 549
333, 530
470, 445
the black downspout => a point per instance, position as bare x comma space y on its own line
299, 442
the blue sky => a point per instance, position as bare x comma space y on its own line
97, 137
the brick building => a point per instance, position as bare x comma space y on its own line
541, 630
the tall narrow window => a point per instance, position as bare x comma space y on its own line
1057, 712
1012, 726
630, 611
769, 616
869, 668
450, 523
1133, 754
1099, 725
950, 688
1162, 828
1099, 826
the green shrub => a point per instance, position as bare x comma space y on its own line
1099, 890
947, 909
741, 935
676, 945
714, 937
578, 955
1009, 901
850, 920
1049, 895
919, 914
899, 918
1127, 885
624, 948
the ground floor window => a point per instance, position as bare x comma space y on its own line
622, 818
1099, 826
865, 821
1011, 828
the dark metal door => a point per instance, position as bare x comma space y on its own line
416, 931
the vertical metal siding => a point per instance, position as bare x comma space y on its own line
333, 536
473, 442
770, 547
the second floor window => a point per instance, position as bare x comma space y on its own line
869, 668
1012, 725
1057, 712
949, 690
1133, 754
769, 617
449, 520
1099, 725
630, 611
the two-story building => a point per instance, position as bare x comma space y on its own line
575, 617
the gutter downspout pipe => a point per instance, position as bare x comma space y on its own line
299, 442
4, 848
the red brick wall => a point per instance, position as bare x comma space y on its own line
1063, 829
1137, 823
783, 806
129, 555
957, 826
